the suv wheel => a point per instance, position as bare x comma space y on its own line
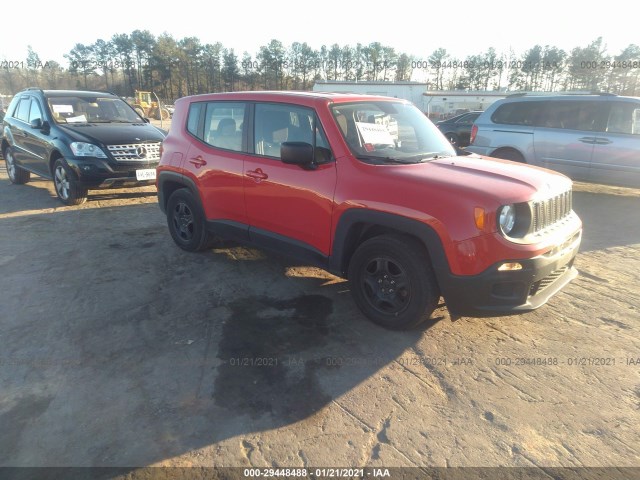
66, 185
392, 282
187, 222
16, 174
509, 154
453, 138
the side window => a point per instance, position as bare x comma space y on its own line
624, 118
35, 111
223, 124
22, 112
467, 119
517, 113
570, 115
275, 124
193, 118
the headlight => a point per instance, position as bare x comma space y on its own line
82, 149
507, 219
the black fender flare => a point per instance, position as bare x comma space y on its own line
349, 229
176, 178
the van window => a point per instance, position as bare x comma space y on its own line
517, 113
571, 115
624, 118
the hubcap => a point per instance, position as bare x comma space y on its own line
62, 182
386, 286
183, 221
11, 167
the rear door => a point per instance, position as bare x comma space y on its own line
616, 156
215, 161
17, 128
36, 141
565, 136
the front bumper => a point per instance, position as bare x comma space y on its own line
95, 173
495, 293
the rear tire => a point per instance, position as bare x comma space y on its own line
186, 222
17, 175
509, 154
66, 184
392, 281
453, 139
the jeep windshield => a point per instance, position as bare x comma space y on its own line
390, 132
83, 110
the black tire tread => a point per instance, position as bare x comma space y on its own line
414, 257
203, 240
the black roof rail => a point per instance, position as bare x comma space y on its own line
525, 94
34, 88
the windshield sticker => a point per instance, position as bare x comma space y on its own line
62, 108
374, 134
78, 119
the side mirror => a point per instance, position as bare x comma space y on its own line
43, 126
297, 153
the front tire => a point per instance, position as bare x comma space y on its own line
392, 281
66, 184
186, 222
17, 175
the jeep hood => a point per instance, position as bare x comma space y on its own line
486, 177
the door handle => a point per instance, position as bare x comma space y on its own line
588, 140
603, 141
258, 175
198, 161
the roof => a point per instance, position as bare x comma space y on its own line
303, 97
67, 93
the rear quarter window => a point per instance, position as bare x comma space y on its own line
193, 119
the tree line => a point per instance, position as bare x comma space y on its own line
175, 68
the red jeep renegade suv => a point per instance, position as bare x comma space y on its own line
367, 188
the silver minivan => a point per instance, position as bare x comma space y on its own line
591, 138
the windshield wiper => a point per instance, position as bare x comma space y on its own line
420, 158
382, 159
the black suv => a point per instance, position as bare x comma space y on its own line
81, 140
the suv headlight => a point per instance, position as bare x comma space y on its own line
82, 149
507, 219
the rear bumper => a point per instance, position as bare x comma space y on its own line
496, 293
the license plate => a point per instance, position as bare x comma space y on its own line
146, 174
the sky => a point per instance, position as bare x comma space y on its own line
462, 27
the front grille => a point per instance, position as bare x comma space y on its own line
136, 152
551, 210
540, 285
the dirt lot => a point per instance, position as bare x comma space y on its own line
119, 349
